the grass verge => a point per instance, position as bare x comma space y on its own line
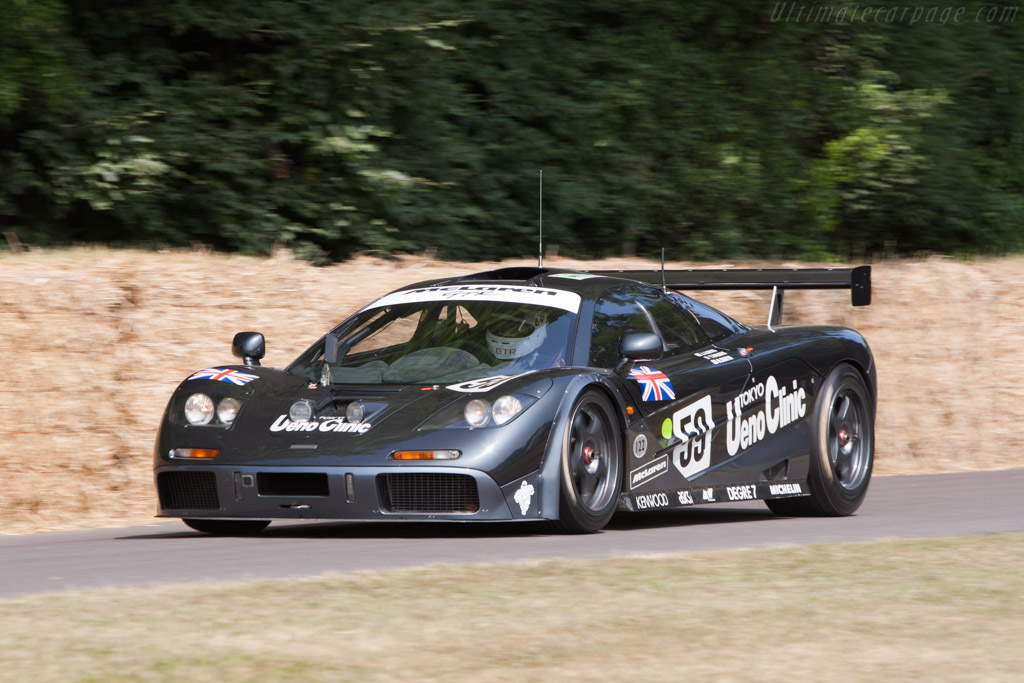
946, 609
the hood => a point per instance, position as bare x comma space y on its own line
394, 416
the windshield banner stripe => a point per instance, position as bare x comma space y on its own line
538, 296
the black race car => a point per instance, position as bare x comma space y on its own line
531, 394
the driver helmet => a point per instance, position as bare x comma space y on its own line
514, 336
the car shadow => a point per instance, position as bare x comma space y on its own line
622, 521
657, 519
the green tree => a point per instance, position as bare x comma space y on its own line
32, 65
710, 129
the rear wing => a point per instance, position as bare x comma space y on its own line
857, 280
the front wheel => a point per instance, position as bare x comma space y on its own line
591, 465
228, 527
842, 449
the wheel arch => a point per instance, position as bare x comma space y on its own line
866, 372
617, 400
829, 494
550, 467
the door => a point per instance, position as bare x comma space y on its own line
682, 397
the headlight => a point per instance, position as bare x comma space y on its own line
355, 412
199, 409
478, 412
227, 410
505, 408
301, 411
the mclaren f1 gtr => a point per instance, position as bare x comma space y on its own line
532, 394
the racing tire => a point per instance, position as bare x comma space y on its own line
591, 466
228, 527
842, 449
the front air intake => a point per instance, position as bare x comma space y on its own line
188, 491
429, 492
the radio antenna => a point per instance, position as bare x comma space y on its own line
664, 287
540, 242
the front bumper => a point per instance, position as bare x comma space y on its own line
342, 493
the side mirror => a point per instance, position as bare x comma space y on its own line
249, 346
634, 347
641, 347
331, 348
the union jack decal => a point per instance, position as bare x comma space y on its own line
225, 375
656, 384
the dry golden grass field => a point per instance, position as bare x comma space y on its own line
93, 342
946, 610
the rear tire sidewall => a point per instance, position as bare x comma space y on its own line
574, 516
830, 496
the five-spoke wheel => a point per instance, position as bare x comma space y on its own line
848, 450
842, 448
591, 465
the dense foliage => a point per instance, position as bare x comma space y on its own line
332, 126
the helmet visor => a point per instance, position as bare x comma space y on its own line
512, 326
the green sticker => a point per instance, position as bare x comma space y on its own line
575, 276
666, 428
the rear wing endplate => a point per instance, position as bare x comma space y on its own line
857, 280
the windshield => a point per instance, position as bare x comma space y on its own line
435, 342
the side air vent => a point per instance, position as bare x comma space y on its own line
187, 491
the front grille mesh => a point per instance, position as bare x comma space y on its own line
429, 492
188, 491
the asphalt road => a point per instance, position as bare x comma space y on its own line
168, 552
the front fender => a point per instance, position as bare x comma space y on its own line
550, 467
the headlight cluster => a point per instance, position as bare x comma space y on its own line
302, 411
355, 412
200, 410
476, 412
480, 413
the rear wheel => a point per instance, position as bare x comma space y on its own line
228, 527
591, 465
842, 449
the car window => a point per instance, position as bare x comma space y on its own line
392, 331
431, 342
716, 324
616, 314
679, 331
